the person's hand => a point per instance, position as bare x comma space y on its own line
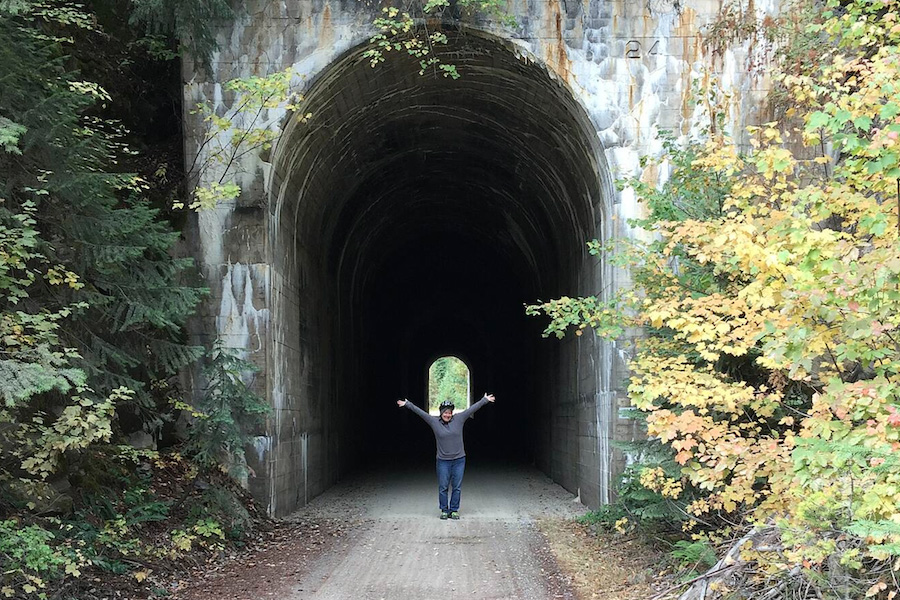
490, 397
401, 403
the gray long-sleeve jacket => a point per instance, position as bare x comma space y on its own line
449, 436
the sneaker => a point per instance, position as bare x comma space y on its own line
445, 515
454, 515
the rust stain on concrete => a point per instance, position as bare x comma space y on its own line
554, 50
326, 28
691, 51
650, 176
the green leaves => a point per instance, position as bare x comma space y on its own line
91, 298
33, 372
605, 318
10, 134
245, 130
190, 22
79, 425
32, 556
227, 414
889, 111
416, 33
32, 359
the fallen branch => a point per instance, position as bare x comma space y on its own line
712, 572
699, 586
776, 591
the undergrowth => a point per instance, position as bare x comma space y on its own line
137, 519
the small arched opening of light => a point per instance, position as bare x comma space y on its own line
449, 379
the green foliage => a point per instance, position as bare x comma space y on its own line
448, 379
32, 558
605, 517
698, 556
142, 509
32, 360
418, 30
10, 134
688, 193
243, 131
220, 504
191, 22
648, 506
109, 268
92, 308
205, 532
651, 496
227, 413
43, 441
208, 528
770, 292
579, 314
142, 506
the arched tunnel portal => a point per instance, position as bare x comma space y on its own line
412, 217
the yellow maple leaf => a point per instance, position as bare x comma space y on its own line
141, 575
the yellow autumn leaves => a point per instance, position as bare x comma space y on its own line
772, 364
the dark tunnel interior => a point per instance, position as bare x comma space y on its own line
416, 216
450, 293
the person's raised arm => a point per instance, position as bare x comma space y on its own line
478, 405
407, 404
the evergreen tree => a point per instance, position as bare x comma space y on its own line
92, 220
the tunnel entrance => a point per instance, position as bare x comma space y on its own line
412, 217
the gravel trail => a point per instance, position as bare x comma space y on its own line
398, 548
378, 536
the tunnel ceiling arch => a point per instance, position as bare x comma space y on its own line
504, 155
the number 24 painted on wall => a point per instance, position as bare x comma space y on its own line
633, 49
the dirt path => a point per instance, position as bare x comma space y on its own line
394, 545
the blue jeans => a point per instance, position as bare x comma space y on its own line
450, 476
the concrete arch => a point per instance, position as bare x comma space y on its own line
413, 216
325, 79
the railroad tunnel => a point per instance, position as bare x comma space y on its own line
411, 217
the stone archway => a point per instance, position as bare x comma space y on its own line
498, 177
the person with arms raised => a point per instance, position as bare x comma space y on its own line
451, 453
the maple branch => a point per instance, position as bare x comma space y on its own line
834, 362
